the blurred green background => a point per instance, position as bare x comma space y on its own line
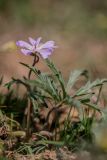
67, 16
79, 27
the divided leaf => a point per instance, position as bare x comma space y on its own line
73, 78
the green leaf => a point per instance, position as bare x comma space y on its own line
58, 76
9, 84
94, 106
74, 76
33, 69
55, 143
45, 87
86, 88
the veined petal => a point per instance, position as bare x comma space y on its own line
49, 44
45, 53
32, 41
26, 52
35, 45
23, 44
38, 41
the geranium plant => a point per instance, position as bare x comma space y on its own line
56, 113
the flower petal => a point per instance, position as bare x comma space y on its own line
45, 53
26, 51
49, 44
23, 44
38, 41
32, 41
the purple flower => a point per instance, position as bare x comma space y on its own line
44, 49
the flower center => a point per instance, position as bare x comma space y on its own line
33, 49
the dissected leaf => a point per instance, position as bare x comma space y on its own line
58, 75
73, 78
89, 85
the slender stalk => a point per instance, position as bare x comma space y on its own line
99, 94
59, 105
29, 106
28, 117
36, 59
98, 97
